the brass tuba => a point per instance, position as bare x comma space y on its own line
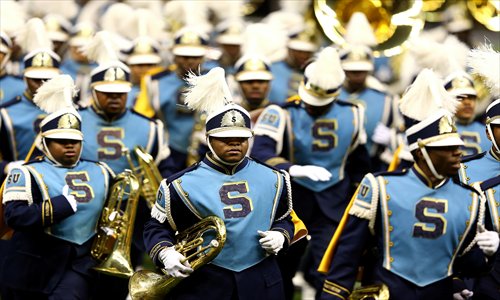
376, 292
393, 21
146, 172
151, 285
114, 237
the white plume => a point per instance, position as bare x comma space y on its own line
144, 22
12, 17
55, 94
435, 55
326, 71
266, 40
40, 9
209, 92
113, 19
425, 96
486, 62
33, 36
102, 49
359, 31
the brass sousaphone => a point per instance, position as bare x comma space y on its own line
393, 21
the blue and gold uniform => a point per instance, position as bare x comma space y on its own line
479, 167
106, 139
287, 135
430, 223
474, 137
164, 90
248, 196
45, 244
19, 125
378, 107
10, 87
285, 83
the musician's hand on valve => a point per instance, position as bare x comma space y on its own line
271, 241
172, 260
315, 173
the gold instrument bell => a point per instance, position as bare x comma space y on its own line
393, 22
200, 244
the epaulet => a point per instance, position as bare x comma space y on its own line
11, 102
473, 157
489, 183
180, 173
345, 103
456, 180
294, 99
34, 160
141, 115
391, 173
156, 74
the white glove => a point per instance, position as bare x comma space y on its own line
271, 241
173, 263
71, 199
314, 173
463, 295
12, 165
487, 241
382, 135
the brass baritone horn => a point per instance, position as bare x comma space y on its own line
147, 173
375, 292
114, 237
151, 285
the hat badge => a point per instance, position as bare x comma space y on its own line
460, 82
446, 125
254, 65
190, 38
233, 118
113, 74
68, 121
42, 59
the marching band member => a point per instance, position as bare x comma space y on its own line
319, 140
53, 203
20, 118
424, 237
111, 129
252, 199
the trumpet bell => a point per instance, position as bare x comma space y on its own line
393, 22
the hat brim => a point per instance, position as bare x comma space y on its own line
189, 50
313, 100
232, 132
357, 66
67, 135
144, 59
41, 73
463, 91
302, 46
113, 88
254, 75
454, 140
230, 39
